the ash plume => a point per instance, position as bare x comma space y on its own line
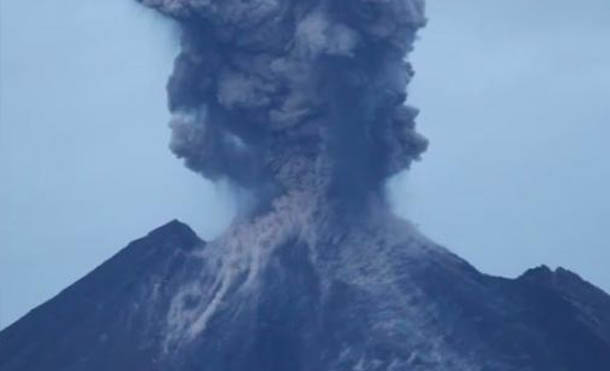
294, 94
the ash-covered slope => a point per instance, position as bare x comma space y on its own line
399, 304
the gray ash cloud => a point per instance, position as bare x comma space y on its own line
294, 93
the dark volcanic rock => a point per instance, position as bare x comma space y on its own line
102, 322
141, 310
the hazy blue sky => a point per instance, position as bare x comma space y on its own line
514, 97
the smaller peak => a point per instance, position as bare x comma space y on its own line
540, 275
558, 278
541, 270
565, 272
566, 275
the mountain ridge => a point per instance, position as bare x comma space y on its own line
110, 319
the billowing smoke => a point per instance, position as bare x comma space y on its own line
301, 101
294, 94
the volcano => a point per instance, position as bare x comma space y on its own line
165, 302
301, 104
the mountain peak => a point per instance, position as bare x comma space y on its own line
176, 233
557, 279
538, 274
173, 224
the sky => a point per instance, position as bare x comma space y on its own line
513, 97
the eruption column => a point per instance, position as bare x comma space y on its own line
294, 94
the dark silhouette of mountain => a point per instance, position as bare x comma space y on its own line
148, 308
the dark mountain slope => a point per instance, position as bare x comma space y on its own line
123, 316
99, 323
